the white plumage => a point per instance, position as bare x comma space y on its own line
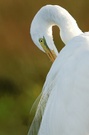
64, 105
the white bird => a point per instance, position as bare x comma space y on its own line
64, 105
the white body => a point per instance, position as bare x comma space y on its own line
67, 109
64, 105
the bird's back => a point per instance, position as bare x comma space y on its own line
67, 108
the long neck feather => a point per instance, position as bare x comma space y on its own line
56, 15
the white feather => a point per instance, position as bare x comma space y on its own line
64, 105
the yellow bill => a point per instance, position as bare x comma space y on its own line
50, 53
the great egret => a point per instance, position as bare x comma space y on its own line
64, 105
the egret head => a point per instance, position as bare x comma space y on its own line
41, 33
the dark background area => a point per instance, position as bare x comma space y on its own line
23, 67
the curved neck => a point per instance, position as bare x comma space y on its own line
56, 15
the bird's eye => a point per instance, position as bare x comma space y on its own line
41, 40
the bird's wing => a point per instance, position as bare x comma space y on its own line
79, 47
40, 108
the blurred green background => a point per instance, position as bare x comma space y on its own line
23, 67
